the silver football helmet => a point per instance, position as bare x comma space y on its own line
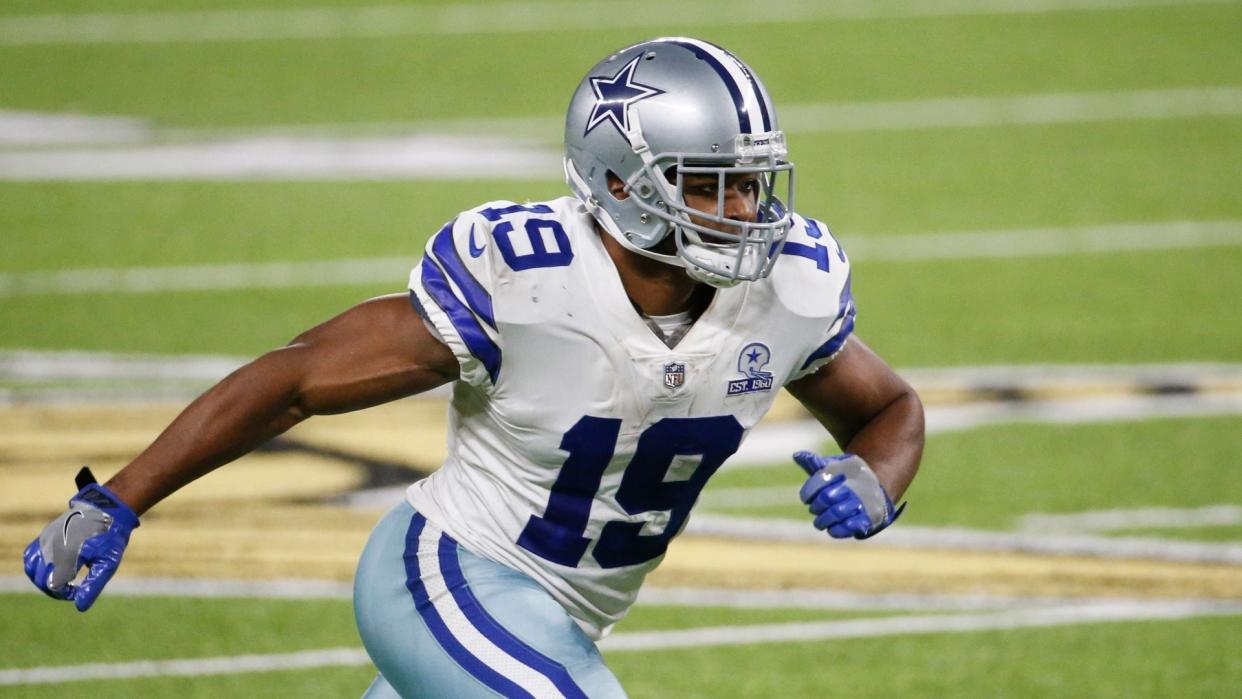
653, 114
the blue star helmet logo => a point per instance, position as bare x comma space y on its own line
753, 359
613, 97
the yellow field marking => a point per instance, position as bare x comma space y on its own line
749, 564
256, 519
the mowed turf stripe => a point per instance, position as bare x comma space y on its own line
1076, 614
651, 596
909, 247
512, 17
445, 150
53, 128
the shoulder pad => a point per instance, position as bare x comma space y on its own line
812, 275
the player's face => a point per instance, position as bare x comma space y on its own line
740, 200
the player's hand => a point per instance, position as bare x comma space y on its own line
93, 532
845, 496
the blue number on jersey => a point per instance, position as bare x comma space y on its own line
496, 214
814, 252
558, 534
539, 255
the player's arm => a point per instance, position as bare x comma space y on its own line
873, 415
375, 352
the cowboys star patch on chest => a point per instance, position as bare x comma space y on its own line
613, 97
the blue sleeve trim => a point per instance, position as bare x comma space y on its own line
845, 307
834, 343
467, 326
477, 297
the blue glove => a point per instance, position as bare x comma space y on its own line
845, 496
93, 532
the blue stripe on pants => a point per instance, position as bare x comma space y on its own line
481, 620
410, 657
427, 610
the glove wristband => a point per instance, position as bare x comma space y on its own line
99, 497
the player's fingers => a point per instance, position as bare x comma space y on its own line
837, 514
841, 530
817, 482
809, 461
97, 578
827, 520
31, 558
830, 497
861, 524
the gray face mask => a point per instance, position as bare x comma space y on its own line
657, 113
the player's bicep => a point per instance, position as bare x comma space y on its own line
847, 392
375, 352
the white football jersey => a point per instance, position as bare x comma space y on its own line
578, 441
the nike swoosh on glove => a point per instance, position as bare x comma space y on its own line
93, 532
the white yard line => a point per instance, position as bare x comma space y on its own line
25, 128
745, 498
1067, 615
652, 596
405, 157
1039, 242
497, 18
1139, 518
527, 151
962, 539
207, 588
31, 365
259, 275
965, 112
1064, 615
1077, 411
842, 600
186, 667
1126, 237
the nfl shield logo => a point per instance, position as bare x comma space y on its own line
674, 374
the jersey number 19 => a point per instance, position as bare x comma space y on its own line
558, 534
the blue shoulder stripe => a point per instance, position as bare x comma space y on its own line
473, 334
834, 343
476, 296
845, 306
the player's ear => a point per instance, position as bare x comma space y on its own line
616, 187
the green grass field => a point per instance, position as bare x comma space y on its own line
1110, 659
1164, 305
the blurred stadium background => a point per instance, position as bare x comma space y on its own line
1041, 198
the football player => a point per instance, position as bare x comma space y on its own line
607, 351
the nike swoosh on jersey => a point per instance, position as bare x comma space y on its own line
475, 251
64, 535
